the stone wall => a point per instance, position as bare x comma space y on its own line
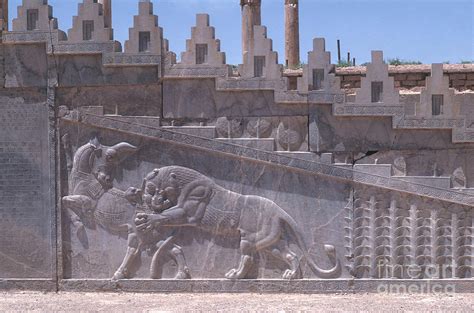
130, 171
461, 76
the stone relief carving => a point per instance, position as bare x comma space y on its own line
289, 134
402, 237
459, 178
93, 201
156, 242
260, 128
399, 167
181, 197
169, 199
229, 128
91, 193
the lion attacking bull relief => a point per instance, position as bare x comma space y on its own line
181, 197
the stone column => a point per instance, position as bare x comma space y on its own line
107, 7
251, 16
3, 15
292, 33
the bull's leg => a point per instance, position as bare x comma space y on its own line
178, 256
76, 206
247, 249
133, 249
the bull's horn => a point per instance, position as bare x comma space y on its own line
124, 147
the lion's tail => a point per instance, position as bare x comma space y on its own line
334, 272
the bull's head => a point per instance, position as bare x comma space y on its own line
106, 159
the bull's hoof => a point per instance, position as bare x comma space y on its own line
183, 274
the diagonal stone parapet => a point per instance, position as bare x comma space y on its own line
423, 187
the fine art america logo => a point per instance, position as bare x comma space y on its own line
430, 284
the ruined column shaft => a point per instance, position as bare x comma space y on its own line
3, 15
292, 33
107, 7
251, 16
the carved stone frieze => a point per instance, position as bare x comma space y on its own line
401, 237
181, 197
128, 170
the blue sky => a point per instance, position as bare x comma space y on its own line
422, 30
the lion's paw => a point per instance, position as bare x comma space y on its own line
289, 274
183, 274
118, 276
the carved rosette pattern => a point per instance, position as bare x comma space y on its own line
229, 128
289, 135
260, 128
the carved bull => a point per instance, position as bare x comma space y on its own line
184, 197
93, 197
91, 177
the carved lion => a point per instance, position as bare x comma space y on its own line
185, 197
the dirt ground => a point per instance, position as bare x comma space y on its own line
133, 302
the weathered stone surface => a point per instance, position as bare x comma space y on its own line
88, 71
126, 100
25, 65
221, 252
26, 191
194, 176
199, 99
362, 134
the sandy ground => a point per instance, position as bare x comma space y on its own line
132, 302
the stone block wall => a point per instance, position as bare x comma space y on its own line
461, 76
